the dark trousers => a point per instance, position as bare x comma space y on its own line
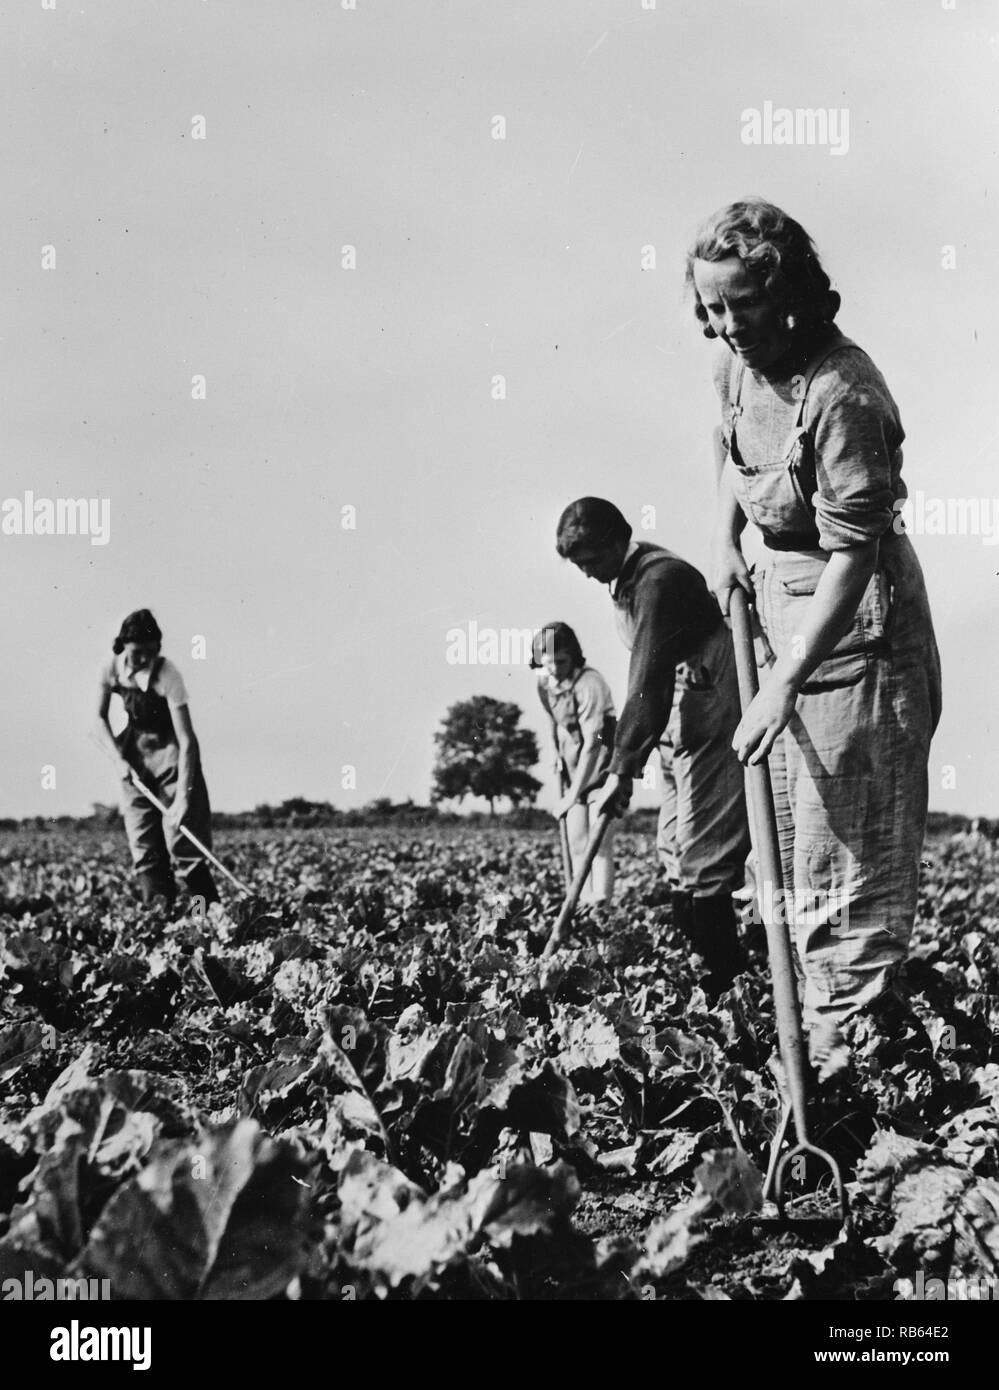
153, 842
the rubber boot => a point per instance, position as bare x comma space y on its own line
200, 884
157, 883
716, 941
682, 901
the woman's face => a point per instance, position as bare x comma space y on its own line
139, 655
558, 665
741, 312
600, 562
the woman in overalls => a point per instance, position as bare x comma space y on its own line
158, 744
581, 708
852, 695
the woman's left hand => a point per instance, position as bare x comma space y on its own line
564, 805
765, 720
613, 797
177, 811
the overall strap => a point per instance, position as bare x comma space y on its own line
813, 362
575, 701
816, 360
740, 377
543, 696
735, 380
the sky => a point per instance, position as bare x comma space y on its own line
185, 335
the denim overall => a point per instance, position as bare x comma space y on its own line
149, 743
703, 836
850, 770
563, 707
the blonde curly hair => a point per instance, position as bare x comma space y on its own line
777, 250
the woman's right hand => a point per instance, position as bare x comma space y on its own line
730, 572
125, 770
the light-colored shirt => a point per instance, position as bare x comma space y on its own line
857, 433
632, 550
579, 709
169, 682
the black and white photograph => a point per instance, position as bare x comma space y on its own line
499, 536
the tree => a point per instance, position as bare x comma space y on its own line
483, 751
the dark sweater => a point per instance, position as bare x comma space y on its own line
664, 610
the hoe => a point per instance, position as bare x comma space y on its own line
763, 828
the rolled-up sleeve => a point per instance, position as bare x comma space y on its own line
858, 437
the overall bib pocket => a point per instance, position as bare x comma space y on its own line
775, 495
799, 459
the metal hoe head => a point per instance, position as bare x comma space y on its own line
799, 1151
